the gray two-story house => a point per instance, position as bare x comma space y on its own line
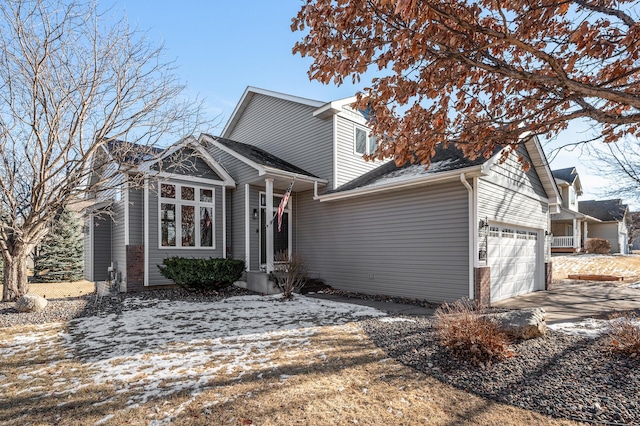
461, 228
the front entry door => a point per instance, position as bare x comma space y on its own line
282, 239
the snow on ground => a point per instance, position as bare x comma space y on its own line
590, 327
596, 264
156, 348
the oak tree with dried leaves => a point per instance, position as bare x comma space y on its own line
478, 73
71, 79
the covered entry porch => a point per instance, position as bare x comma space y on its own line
570, 231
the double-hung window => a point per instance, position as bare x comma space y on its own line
186, 216
364, 143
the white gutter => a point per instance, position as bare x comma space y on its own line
472, 236
418, 181
283, 173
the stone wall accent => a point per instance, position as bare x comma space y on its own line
548, 276
482, 285
135, 268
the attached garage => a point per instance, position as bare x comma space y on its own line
516, 259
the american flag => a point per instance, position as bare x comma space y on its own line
283, 205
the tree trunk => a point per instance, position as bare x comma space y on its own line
15, 275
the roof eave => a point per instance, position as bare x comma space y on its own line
418, 181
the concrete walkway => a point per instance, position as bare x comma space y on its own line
389, 307
571, 300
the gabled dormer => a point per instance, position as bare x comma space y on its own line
570, 187
329, 139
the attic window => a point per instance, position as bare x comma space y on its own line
364, 144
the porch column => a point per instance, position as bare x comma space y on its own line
269, 224
586, 231
576, 232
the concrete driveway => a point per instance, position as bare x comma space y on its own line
571, 300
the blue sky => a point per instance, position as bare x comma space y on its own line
221, 47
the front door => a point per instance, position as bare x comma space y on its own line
282, 238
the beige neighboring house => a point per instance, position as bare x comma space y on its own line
578, 221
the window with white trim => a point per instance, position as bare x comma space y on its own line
364, 142
186, 216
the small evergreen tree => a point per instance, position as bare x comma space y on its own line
60, 257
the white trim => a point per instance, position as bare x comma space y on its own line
247, 227
187, 178
269, 225
248, 94
145, 220
178, 202
270, 171
125, 188
334, 107
224, 223
335, 152
367, 135
451, 175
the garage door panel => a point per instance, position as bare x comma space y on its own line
513, 258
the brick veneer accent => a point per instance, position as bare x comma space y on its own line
135, 268
548, 276
482, 285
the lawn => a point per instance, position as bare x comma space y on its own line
244, 360
627, 267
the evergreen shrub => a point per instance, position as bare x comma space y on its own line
202, 274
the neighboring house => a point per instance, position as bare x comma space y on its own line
613, 217
462, 228
578, 221
569, 227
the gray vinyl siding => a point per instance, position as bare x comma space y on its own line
499, 204
242, 174
157, 254
118, 249
289, 131
136, 216
512, 172
190, 165
411, 243
88, 261
101, 246
350, 164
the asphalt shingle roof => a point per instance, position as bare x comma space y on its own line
261, 156
605, 210
445, 159
131, 153
568, 175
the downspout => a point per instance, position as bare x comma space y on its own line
472, 237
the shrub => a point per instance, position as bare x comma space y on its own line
597, 246
291, 274
202, 274
470, 335
624, 333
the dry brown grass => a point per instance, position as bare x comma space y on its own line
341, 378
624, 266
624, 333
469, 335
62, 290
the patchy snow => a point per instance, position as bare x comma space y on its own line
590, 327
157, 348
396, 319
635, 285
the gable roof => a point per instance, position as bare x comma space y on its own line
605, 210
130, 153
250, 92
570, 176
444, 160
257, 157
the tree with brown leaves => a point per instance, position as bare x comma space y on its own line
478, 73
69, 83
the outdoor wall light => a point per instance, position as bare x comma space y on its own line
255, 214
484, 223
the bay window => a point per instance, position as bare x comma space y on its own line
186, 216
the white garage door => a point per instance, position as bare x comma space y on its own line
514, 261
